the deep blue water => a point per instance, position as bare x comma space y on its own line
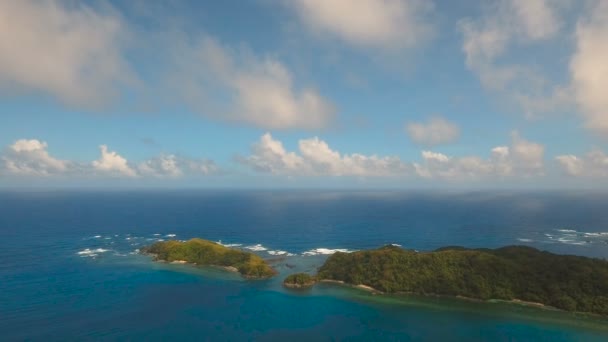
68, 270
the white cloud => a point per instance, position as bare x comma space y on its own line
492, 36
434, 132
31, 157
163, 166
589, 68
316, 158
261, 90
522, 159
70, 52
594, 164
536, 19
111, 163
385, 24
172, 166
269, 155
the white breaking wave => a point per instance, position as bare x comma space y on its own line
279, 252
525, 240
600, 234
87, 252
157, 234
326, 251
574, 237
229, 244
97, 236
170, 235
256, 248
396, 245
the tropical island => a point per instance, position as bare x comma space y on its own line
513, 273
208, 253
299, 281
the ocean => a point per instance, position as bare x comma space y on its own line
69, 267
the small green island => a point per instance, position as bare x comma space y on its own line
208, 253
299, 281
513, 273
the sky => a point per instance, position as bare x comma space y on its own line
304, 93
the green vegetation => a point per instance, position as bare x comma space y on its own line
204, 252
299, 280
567, 282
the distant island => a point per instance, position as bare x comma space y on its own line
512, 273
299, 281
208, 253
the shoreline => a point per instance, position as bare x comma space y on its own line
230, 269
515, 301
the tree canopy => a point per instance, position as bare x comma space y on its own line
567, 282
204, 252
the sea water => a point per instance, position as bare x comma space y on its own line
69, 267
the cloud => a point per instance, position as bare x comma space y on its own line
589, 68
31, 158
434, 132
316, 158
488, 38
594, 164
384, 24
111, 163
522, 159
73, 53
85, 65
236, 85
172, 166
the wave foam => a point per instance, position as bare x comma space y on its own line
326, 251
574, 237
229, 244
279, 252
525, 240
87, 252
256, 248
599, 234
170, 235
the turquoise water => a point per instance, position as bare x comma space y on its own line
68, 267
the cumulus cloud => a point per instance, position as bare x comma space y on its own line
385, 24
594, 164
491, 36
111, 163
73, 53
261, 90
522, 158
434, 132
316, 158
31, 157
172, 166
589, 68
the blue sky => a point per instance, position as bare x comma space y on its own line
304, 93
